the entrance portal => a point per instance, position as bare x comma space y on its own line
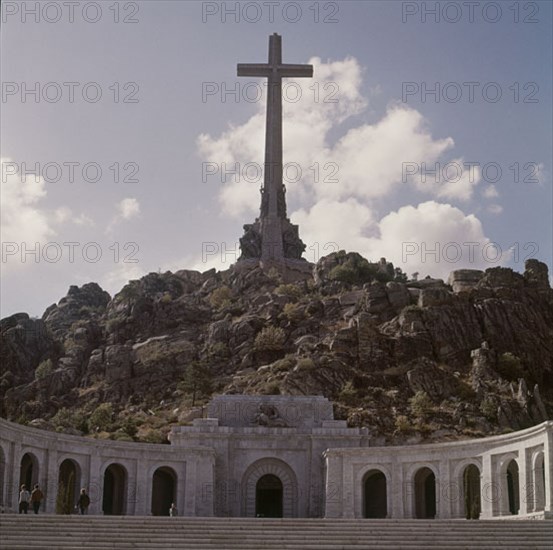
268, 497
28, 473
425, 494
512, 487
164, 485
471, 491
113, 500
376, 505
69, 480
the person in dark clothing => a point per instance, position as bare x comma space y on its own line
83, 502
36, 498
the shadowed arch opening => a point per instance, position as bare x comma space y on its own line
164, 490
375, 498
28, 471
471, 492
2, 475
69, 481
512, 487
425, 494
286, 477
268, 497
115, 489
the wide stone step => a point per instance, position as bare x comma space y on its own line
152, 533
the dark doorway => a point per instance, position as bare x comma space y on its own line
113, 499
2, 475
268, 497
425, 494
471, 491
68, 487
375, 497
512, 487
28, 473
164, 484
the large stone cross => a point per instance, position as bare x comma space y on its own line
273, 204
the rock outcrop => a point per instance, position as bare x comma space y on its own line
479, 347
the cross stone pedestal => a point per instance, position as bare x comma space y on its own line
272, 241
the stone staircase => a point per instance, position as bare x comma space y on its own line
50, 532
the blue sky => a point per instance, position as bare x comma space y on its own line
169, 216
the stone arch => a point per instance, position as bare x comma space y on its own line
375, 494
538, 481
459, 492
28, 470
69, 484
164, 490
286, 476
510, 492
114, 490
424, 495
2, 475
471, 492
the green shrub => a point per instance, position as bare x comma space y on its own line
272, 388
166, 298
488, 407
348, 394
270, 339
102, 418
154, 436
509, 367
293, 292
305, 363
420, 404
197, 381
66, 418
44, 369
293, 312
402, 424
220, 297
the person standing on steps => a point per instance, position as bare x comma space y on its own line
36, 498
173, 512
83, 502
24, 497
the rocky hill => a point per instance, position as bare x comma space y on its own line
411, 360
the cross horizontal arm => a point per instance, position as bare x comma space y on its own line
295, 70
254, 69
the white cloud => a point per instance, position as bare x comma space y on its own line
126, 209
22, 218
129, 208
123, 272
374, 161
495, 209
431, 238
369, 161
434, 239
490, 192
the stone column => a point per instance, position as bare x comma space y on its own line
333, 486
488, 488
396, 508
142, 489
188, 492
524, 483
548, 466
51, 492
94, 482
204, 486
12, 479
443, 491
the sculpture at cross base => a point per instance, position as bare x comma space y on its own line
272, 239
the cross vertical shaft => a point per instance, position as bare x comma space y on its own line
273, 204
